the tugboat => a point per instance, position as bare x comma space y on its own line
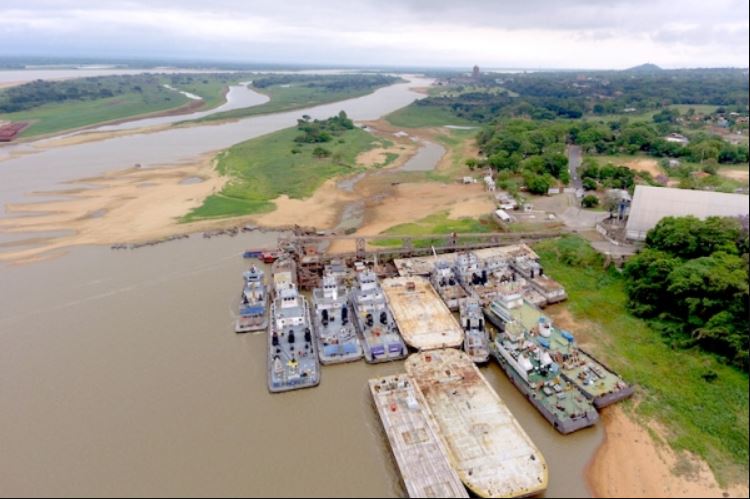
334, 328
377, 331
292, 352
531, 368
445, 282
253, 303
476, 340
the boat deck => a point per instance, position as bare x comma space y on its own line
423, 318
419, 452
595, 380
486, 446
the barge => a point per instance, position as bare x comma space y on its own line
492, 454
531, 369
445, 281
378, 334
592, 378
292, 353
420, 453
253, 302
332, 321
476, 340
424, 320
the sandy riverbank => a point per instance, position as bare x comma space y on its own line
129, 205
631, 464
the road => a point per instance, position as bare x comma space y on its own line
574, 161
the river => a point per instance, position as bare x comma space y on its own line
46, 169
120, 373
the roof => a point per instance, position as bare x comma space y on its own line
651, 204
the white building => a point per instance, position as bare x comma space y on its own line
651, 204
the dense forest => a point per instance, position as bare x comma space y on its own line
691, 282
330, 83
40, 92
573, 94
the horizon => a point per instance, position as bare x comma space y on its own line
415, 33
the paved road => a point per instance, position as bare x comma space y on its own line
574, 161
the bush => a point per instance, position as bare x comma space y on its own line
590, 201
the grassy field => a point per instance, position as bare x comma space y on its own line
708, 418
264, 168
416, 116
58, 117
288, 98
438, 223
153, 98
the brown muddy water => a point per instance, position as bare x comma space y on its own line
120, 375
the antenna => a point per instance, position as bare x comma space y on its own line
433, 251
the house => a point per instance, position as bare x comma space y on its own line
489, 182
677, 139
503, 216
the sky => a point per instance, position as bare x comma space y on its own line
595, 34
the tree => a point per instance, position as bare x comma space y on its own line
590, 201
537, 184
589, 184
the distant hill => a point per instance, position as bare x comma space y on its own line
645, 68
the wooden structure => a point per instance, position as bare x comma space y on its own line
419, 452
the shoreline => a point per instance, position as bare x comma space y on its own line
630, 463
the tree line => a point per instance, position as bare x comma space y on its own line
691, 283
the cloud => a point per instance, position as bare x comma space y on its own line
529, 33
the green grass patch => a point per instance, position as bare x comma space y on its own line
264, 168
708, 418
419, 116
58, 117
437, 223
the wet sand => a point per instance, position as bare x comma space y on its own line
631, 464
131, 205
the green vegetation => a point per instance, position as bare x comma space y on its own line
290, 92
264, 168
590, 201
532, 151
691, 282
55, 106
438, 223
416, 115
608, 176
702, 402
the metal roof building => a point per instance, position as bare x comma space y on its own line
651, 204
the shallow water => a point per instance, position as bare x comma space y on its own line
44, 169
426, 158
121, 375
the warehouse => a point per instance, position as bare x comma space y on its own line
651, 204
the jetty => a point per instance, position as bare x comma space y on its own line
492, 454
422, 317
420, 454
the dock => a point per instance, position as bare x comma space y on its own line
492, 454
420, 454
422, 316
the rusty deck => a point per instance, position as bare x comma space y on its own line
419, 452
422, 316
493, 455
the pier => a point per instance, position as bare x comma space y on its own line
419, 452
